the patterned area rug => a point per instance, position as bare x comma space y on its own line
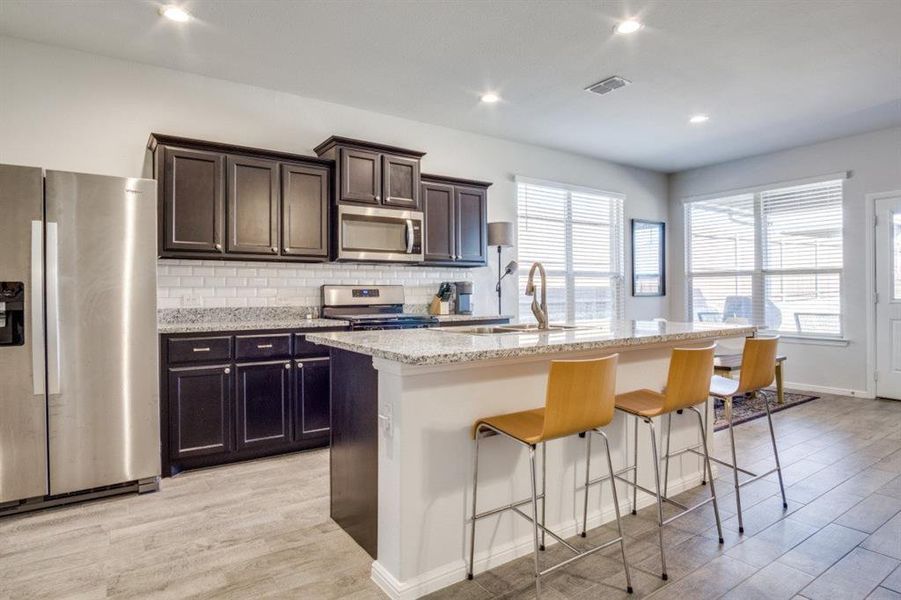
748, 409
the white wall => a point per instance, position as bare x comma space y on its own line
874, 160
64, 109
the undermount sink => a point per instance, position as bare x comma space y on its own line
505, 329
529, 327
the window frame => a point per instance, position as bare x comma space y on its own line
569, 274
758, 274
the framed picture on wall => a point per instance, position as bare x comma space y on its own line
648, 258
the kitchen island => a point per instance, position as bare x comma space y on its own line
403, 404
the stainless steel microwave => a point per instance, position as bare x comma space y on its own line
379, 234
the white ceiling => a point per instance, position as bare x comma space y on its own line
771, 73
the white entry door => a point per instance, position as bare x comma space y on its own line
888, 306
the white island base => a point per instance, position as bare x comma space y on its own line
425, 455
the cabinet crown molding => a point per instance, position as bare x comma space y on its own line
337, 140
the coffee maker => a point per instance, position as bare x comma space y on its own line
463, 297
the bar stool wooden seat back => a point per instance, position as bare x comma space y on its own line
687, 386
579, 398
758, 369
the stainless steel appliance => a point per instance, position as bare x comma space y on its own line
463, 297
369, 307
79, 389
379, 234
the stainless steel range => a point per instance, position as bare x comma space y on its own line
369, 307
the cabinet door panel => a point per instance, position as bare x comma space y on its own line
312, 397
440, 232
361, 176
305, 203
472, 226
401, 182
199, 411
264, 400
252, 206
193, 200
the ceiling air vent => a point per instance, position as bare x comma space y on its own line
608, 85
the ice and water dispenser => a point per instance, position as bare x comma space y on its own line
12, 313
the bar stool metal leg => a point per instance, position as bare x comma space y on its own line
543, 489
706, 411
716, 508
769, 417
656, 461
475, 486
587, 483
619, 524
635, 471
728, 410
535, 519
669, 433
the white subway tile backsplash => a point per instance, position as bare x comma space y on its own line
213, 284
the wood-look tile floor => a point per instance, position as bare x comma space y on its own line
261, 530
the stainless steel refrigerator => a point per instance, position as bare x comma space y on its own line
79, 377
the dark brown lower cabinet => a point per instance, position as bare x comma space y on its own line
264, 403
311, 398
265, 392
200, 411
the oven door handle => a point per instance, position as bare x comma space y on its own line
409, 236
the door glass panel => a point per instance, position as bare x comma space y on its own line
896, 256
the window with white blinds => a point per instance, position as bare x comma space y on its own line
577, 235
772, 258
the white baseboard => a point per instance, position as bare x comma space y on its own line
821, 389
454, 572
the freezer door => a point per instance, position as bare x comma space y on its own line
23, 408
102, 359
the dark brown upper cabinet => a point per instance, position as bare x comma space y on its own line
374, 174
231, 202
472, 224
253, 205
305, 207
192, 200
456, 221
440, 228
400, 178
360, 176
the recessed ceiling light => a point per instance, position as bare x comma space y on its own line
174, 13
695, 119
628, 26
490, 98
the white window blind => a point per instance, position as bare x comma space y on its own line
577, 235
772, 258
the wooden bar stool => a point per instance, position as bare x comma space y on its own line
579, 398
758, 363
688, 383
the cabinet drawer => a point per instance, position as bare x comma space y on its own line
305, 349
200, 349
262, 346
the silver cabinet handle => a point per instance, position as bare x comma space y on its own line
299, 364
218, 246
275, 249
201, 349
285, 249
287, 365
264, 346
227, 370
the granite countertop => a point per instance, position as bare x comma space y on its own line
454, 345
201, 320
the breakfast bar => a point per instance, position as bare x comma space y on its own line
401, 466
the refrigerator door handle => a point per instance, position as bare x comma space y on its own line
53, 357
36, 298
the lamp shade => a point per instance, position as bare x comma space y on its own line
500, 233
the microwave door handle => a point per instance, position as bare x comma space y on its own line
409, 233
